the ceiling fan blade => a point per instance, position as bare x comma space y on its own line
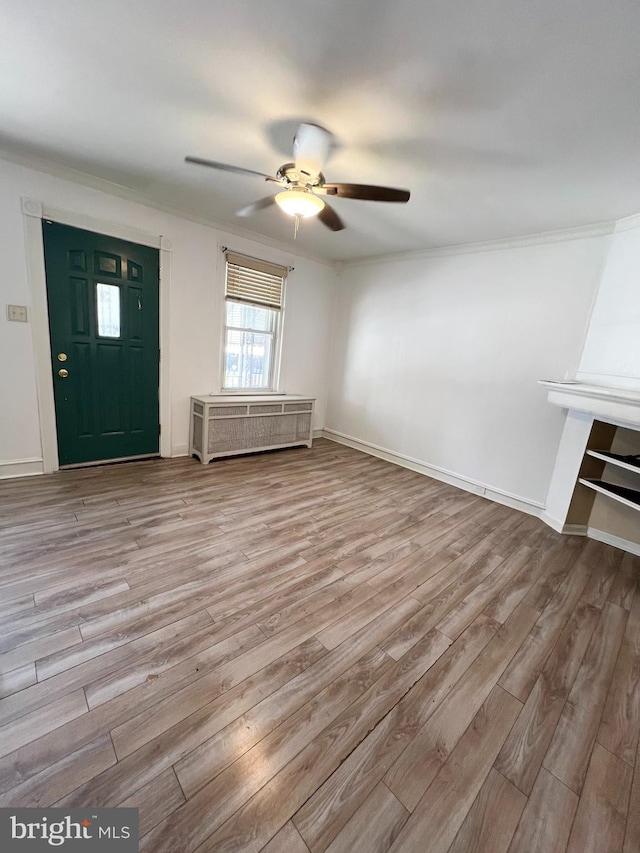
366, 192
225, 167
330, 218
261, 204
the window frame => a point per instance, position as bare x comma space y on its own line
276, 344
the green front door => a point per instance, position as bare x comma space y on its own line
103, 319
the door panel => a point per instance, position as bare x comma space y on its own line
103, 298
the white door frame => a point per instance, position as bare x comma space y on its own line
34, 212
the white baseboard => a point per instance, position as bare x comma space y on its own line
616, 541
21, 468
561, 527
554, 523
436, 473
575, 529
591, 533
179, 450
513, 501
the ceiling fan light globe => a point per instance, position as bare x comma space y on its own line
299, 203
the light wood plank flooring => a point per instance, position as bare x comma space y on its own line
315, 650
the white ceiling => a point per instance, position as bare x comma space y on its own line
503, 117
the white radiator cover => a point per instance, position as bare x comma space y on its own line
230, 424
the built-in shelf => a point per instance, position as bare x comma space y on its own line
595, 488
628, 497
615, 459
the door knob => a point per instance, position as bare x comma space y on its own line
63, 373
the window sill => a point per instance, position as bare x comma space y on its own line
254, 392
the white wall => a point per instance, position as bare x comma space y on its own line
612, 349
196, 300
436, 359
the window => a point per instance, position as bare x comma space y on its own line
253, 305
108, 305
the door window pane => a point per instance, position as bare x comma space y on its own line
108, 302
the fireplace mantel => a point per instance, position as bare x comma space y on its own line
605, 403
594, 487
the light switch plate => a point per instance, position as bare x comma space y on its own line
17, 313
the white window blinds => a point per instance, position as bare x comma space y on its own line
254, 282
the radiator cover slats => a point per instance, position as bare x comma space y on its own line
227, 425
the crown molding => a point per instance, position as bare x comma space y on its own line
581, 232
67, 173
628, 223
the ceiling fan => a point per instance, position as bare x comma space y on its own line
302, 182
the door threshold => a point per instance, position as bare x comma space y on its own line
109, 461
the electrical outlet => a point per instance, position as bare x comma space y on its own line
477, 489
17, 313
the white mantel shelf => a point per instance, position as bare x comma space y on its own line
598, 400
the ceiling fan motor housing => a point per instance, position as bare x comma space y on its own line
311, 148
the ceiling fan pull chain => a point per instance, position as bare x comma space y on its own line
296, 226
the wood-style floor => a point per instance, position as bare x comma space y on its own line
315, 650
